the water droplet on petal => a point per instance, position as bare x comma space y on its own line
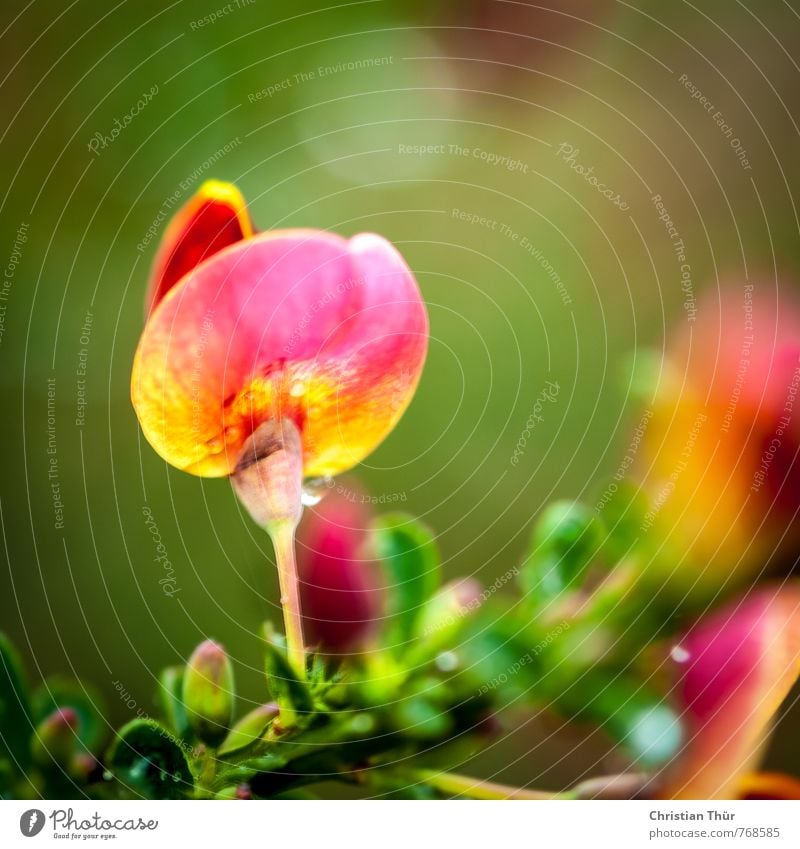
679, 654
297, 389
315, 489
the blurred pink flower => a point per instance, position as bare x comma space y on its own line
732, 670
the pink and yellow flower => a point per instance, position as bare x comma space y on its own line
246, 328
733, 670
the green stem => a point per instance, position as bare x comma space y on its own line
282, 534
268, 479
473, 788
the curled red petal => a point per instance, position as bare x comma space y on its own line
213, 219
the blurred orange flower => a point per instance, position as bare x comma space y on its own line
720, 455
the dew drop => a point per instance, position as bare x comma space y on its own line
679, 654
139, 769
361, 723
315, 489
447, 661
107, 776
297, 389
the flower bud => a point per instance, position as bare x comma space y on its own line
340, 598
82, 766
268, 476
208, 692
56, 738
445, 613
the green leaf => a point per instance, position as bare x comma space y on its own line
292, 694
249, 729
495, 659
8, 777
170, 698
15, 716
300, 794
58, 692
410, 557
146, 758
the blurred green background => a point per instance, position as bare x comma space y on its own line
405, 118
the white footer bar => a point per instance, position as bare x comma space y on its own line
402, 825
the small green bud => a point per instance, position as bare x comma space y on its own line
567, 537
570, 529
444, 615
235, 792
56, 738
249, 728
208, 692
82, 766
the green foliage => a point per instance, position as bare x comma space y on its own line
410, 557
426, 690
148, 761
630, 712
286, 688
170, 699
15, 715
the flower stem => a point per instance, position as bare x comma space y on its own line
282, 534
473, 788
268, 479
